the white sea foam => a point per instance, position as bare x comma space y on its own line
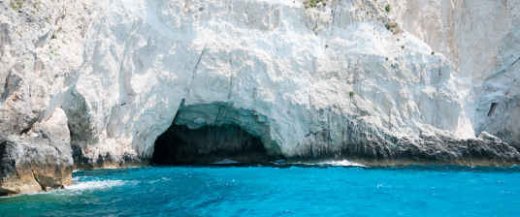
339, 163
79, 186
95, 185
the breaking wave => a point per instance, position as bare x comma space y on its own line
94, 185
337, 163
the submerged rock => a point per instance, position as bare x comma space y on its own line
226, 162
98, 82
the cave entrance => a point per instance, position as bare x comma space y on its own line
210, 134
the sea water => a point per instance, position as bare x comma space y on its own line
271, 191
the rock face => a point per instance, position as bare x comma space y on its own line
482, 39
40, 45
38, 159
406, 81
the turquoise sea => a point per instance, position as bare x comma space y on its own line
271, 191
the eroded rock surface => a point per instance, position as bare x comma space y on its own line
39, 159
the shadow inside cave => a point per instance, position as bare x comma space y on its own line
225, 144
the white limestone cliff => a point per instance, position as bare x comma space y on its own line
411, 80
482, 40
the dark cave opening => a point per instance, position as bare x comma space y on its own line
492, 109
224, 144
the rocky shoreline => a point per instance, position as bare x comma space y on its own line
36, 182
42, 173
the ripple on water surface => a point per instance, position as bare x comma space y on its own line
268, 191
